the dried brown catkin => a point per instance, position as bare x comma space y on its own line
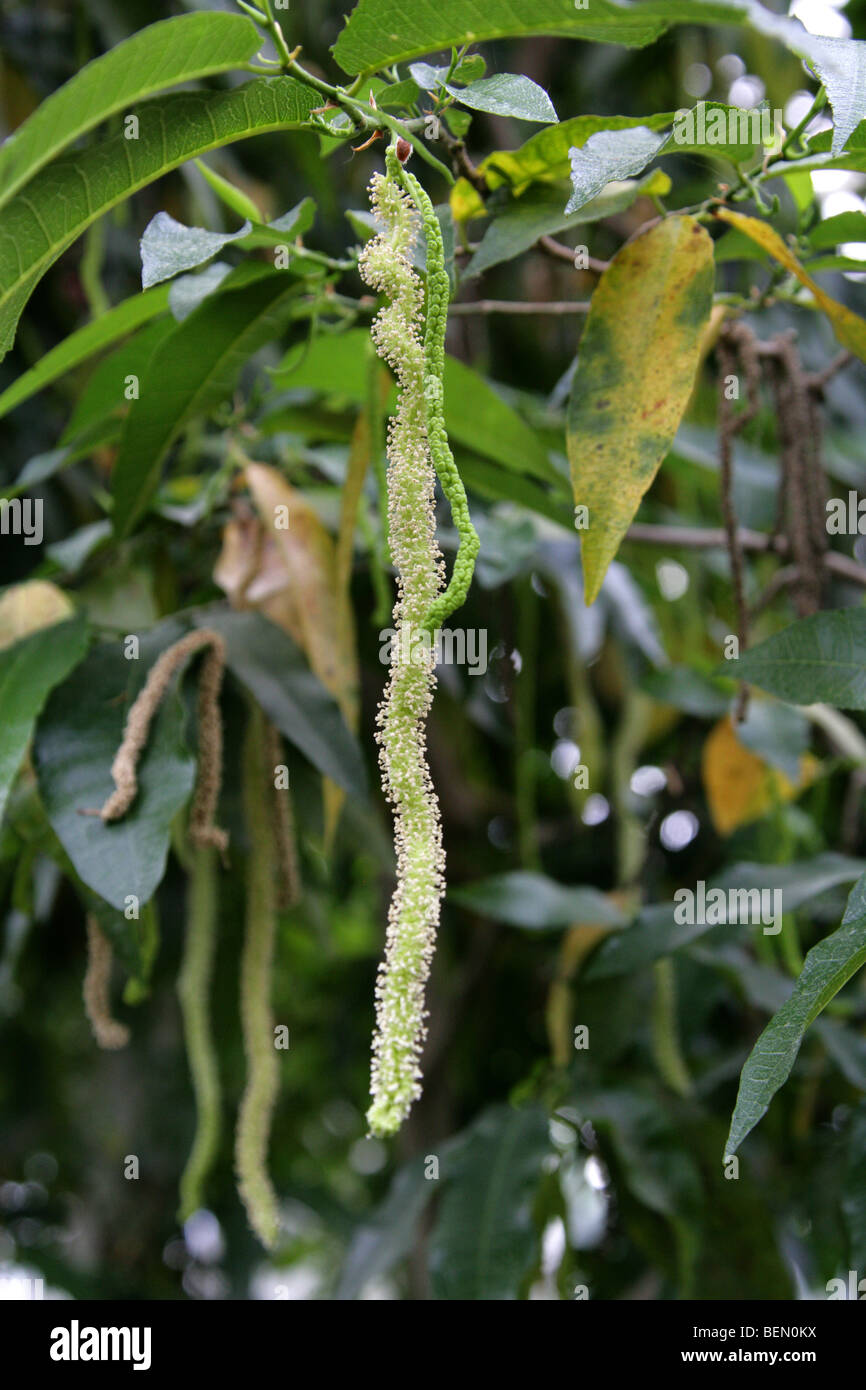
138, 722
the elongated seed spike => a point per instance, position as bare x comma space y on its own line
438, 296
193, 988
254, 1117
414, 913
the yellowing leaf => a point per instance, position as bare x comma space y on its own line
27, 607
740, 787
849, 328
636, 367
466, 202
544, 158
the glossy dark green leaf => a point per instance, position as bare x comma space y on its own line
85, 343
65, 197
475, 415
820, 659
163, 55
190, 373
389, 1234
29, 670
483, 1242
657, 933
76, 740
538, 903
827, 968
379, 33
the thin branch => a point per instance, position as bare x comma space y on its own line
514, 306
559, 252
704, 537
714, 538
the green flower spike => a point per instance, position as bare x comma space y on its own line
414, 913
438, 295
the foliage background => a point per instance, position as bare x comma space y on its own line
626, 1193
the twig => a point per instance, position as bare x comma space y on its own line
559, 252
513, 306
714, 538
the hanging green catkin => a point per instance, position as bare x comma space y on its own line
193, 988
414, 912
256, 1109
436, 319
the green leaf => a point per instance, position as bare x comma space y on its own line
475, 416
134, 940
229, 194
389, 1234
103, 395
507, 95
521, 221
636, 367
693, 692
269, 664
164, 54
656, 933
841, 66
67, 196
608, 156
820, 659
379, 33
189, 374
777, 733
854, 1188
168, 247
76, 741
29, 671
85, 343
845, 226
500, 484
545, 157
533, 901
189, 291
827, 968
483, 1242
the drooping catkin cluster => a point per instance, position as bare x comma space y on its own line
124, 769
414, 911
107, 1031
254, 1117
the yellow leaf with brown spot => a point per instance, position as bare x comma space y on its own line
740, 787
849, 328
636, 367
